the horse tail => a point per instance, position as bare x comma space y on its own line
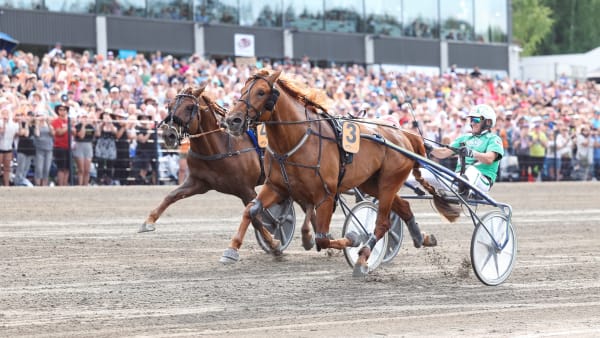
448, 211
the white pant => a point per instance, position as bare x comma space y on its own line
473, 175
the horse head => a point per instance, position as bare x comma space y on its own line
257, 102
184, 115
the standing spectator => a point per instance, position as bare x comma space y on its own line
8, 132
44, 143
555, 146
106, 148
25, 148
83, 152
584, 154
521, 145
145, 152
596, 145
537, 150
61, 144
123, 138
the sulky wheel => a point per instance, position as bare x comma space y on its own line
361, 220
394, 236
493, 248
280, 220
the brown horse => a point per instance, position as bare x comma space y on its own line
216, 160
305, 162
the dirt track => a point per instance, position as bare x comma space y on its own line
73, 265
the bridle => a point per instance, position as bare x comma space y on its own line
174, 128
269, 104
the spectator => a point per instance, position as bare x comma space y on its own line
123, 136
9, 130
106, 147
145, 153
521, 145
596, 158
83, 151
584, 154
44, 144
537, 149
62, 144
25, 148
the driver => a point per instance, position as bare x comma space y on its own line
482, 149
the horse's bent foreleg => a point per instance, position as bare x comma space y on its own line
308, 240
263, 200
322, 236
189, 188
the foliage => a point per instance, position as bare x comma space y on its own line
576, 29
532, 22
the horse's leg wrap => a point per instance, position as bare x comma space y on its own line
415, 232
371, 242
255, 209
322, 239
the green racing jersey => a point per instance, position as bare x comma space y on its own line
482, 143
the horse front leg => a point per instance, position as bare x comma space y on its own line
308, 240
265, 199
323, 238
189, 188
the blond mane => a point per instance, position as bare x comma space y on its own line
299, 91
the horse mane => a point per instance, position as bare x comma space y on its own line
197, 92
299, 91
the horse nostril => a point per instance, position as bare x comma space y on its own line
237, 121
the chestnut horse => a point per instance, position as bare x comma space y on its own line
216, 160
304, 161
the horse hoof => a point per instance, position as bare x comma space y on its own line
429, 240
146, 227
354, 239
230, 256
308, 243
360, 270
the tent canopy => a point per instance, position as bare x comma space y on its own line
7, 42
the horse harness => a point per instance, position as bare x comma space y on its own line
213, 157
283, 159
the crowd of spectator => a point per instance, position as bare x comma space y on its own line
103, 110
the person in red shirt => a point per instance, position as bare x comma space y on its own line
61, 144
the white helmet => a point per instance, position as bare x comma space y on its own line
485, 111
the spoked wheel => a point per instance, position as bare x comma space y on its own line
395, 236
361, 220
280, 220
493, 248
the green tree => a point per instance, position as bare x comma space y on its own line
576, 29
532, 22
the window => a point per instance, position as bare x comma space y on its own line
262, 13
343, 16
421, 19
169, 9
457, 20
304, 15
491, 21
122, 7
70, 6
384, 17
222, 11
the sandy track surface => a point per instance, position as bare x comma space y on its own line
72, 265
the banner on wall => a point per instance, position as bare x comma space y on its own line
244, 45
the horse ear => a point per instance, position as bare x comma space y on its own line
273, 77
199, 90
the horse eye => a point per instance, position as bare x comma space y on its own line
261, 92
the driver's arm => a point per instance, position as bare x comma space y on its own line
441, 152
